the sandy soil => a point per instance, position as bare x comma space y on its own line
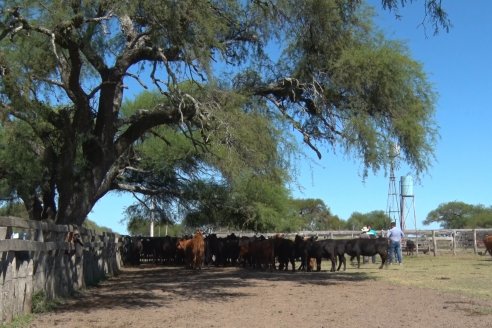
234, 297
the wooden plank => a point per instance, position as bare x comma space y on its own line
11, 221
30, 245
17, 245
4, 232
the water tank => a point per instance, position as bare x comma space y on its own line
406, 184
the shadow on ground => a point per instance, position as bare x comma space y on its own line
156, 286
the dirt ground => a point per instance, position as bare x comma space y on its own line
232, 297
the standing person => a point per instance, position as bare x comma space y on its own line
363, 232
372, 233
395, 235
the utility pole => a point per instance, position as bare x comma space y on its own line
152, 218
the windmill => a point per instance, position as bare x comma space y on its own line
393, 205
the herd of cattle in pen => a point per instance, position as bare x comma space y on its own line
256, 252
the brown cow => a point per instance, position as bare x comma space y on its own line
194, 250
487, 241
244, 251
311, 264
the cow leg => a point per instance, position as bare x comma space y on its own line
303, 266
333, 263
358, 261
293, 262
383, 259
342, 260
318, 264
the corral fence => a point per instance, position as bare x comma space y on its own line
442, 241
56, 260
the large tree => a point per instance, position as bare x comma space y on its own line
316, 66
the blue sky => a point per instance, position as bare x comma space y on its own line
459, 66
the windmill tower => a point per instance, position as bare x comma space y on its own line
393, 205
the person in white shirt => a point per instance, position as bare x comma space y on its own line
395, 236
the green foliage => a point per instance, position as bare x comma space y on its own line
435, 14
141, 227
460, 215
222, 109
378, 220
243, 163
91, 225
22, 321
14, 209
315, 215
42, 304
18, 153
369, 82
249, 202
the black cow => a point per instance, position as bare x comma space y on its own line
214, 250
320, 249
301, 250
367, 247
340, 253
168, 249
410, 247
131, 249
230, 249
285, 252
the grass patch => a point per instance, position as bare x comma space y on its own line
466, 274
42, 304
19, 322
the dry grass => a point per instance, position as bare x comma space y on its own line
467, 274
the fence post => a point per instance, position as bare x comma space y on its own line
454, 242
6, 278
434, 242
475, 248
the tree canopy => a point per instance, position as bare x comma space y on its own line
317, 68
378, 220
460, 215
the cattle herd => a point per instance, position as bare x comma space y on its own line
256, 252
275, 253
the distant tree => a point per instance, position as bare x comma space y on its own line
138, 226
88, 224
249, 202
378, 220
460, 215
65, 67
16, 209
141, 226
315, 214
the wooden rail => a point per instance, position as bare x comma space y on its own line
54, 259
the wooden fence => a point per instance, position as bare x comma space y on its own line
54, 259
434, 242
60, 259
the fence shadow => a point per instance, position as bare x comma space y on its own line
157, 286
